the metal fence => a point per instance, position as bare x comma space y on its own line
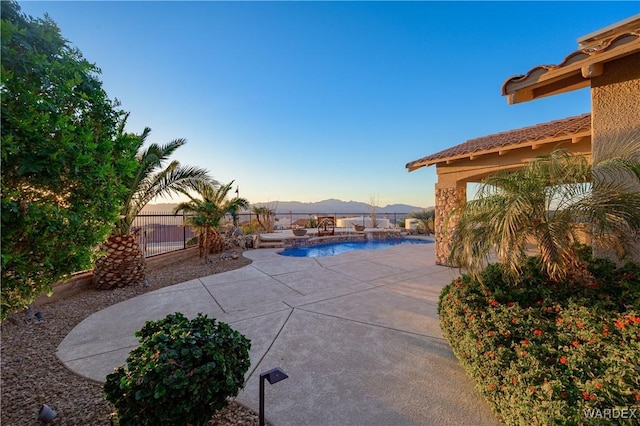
160, 233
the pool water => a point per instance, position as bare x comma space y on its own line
332, 249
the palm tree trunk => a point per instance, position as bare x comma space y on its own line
123, 265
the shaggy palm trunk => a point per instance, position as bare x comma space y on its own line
123, 264
216, 242
213, 240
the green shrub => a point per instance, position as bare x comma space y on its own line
181, 373
546, 351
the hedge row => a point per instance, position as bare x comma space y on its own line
550, 352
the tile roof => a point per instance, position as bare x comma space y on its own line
604, 50
544, 131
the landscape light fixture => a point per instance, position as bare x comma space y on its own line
272, 376
46, 414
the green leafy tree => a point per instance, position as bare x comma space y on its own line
548, 203
123, 263
62, 158
207, 213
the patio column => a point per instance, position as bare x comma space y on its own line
447, 199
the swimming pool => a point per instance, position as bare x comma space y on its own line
332, 249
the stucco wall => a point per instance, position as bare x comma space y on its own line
615, 100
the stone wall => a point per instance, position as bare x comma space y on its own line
447, 199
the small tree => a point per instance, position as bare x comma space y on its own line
182, 372
266, 216
373, 210
547, 203
208, 212
425, 217
62, 158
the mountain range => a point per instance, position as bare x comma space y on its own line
329, 206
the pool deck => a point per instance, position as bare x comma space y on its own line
357, 333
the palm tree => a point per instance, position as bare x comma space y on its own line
547, 203
124, 263
425, 217
208, 212
265, 215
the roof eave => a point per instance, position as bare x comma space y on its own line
575, 72
533, 144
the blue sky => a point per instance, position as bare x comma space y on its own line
313, 100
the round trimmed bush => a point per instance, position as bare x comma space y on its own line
182, 372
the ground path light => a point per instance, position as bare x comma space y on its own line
273, 376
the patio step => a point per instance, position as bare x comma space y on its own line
271, 244
270, 241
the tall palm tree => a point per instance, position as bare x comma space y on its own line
124, 262
208, 211
425, 217
547, 203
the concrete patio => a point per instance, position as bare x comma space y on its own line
358, 335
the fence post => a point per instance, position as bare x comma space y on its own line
184, 232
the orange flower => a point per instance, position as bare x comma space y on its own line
563, 359
598, 386
638, 397
537, 332
559, 321
514, 320
619, 323
586, 396
575, 343
510, 304
513, 380
579, 324
564, 394
532, 389
525, 342
491, 386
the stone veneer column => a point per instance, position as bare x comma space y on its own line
447, 199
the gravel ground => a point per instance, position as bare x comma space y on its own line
32, 375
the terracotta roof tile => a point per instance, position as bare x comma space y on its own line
579, 55
552, 129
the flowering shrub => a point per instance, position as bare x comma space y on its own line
549, 352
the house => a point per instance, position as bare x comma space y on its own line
607, 61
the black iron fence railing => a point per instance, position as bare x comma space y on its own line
160, 233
